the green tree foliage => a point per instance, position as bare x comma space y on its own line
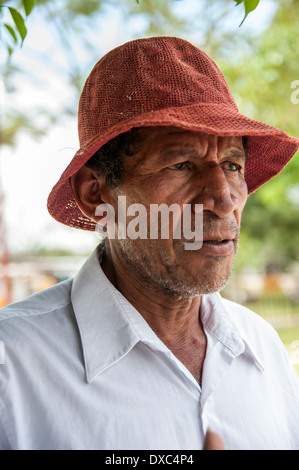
17, 29
71, 22
262, 82
77, 8
249, 6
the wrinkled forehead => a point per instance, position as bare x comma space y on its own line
168, 140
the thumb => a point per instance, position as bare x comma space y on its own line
213, 441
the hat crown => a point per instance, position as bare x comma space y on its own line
147, 75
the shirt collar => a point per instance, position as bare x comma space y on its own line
219, 320
110, 326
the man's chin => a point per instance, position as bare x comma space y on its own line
180, 276
180, 290
207, 278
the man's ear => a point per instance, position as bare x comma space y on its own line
86, 188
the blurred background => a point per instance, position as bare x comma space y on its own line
40, 85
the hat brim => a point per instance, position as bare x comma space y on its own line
269, 150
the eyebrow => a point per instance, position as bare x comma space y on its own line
179, 152
191, 153
237, 154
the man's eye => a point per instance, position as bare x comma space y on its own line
177, 166
233, 166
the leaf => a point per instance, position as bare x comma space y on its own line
249, 6
28, 5
11, 31
19, 22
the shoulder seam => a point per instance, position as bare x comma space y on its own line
34, 314
26, 308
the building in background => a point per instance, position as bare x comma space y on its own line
31, 274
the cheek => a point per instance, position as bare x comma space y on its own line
178, 188
242, 196
160, 190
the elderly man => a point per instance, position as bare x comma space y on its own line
139, 351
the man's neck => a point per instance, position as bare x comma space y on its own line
176, 322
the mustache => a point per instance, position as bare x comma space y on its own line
212, 224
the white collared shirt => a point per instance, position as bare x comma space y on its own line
83, 370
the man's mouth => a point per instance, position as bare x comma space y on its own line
218, 247
217, 242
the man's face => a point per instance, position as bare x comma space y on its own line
175, 166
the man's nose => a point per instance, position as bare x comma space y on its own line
215, 193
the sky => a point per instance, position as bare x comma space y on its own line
30, 169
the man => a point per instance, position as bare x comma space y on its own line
139, 351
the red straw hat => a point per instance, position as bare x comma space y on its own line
163, 81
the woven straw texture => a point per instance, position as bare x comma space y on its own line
163, 81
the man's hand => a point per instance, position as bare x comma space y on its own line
213, 441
